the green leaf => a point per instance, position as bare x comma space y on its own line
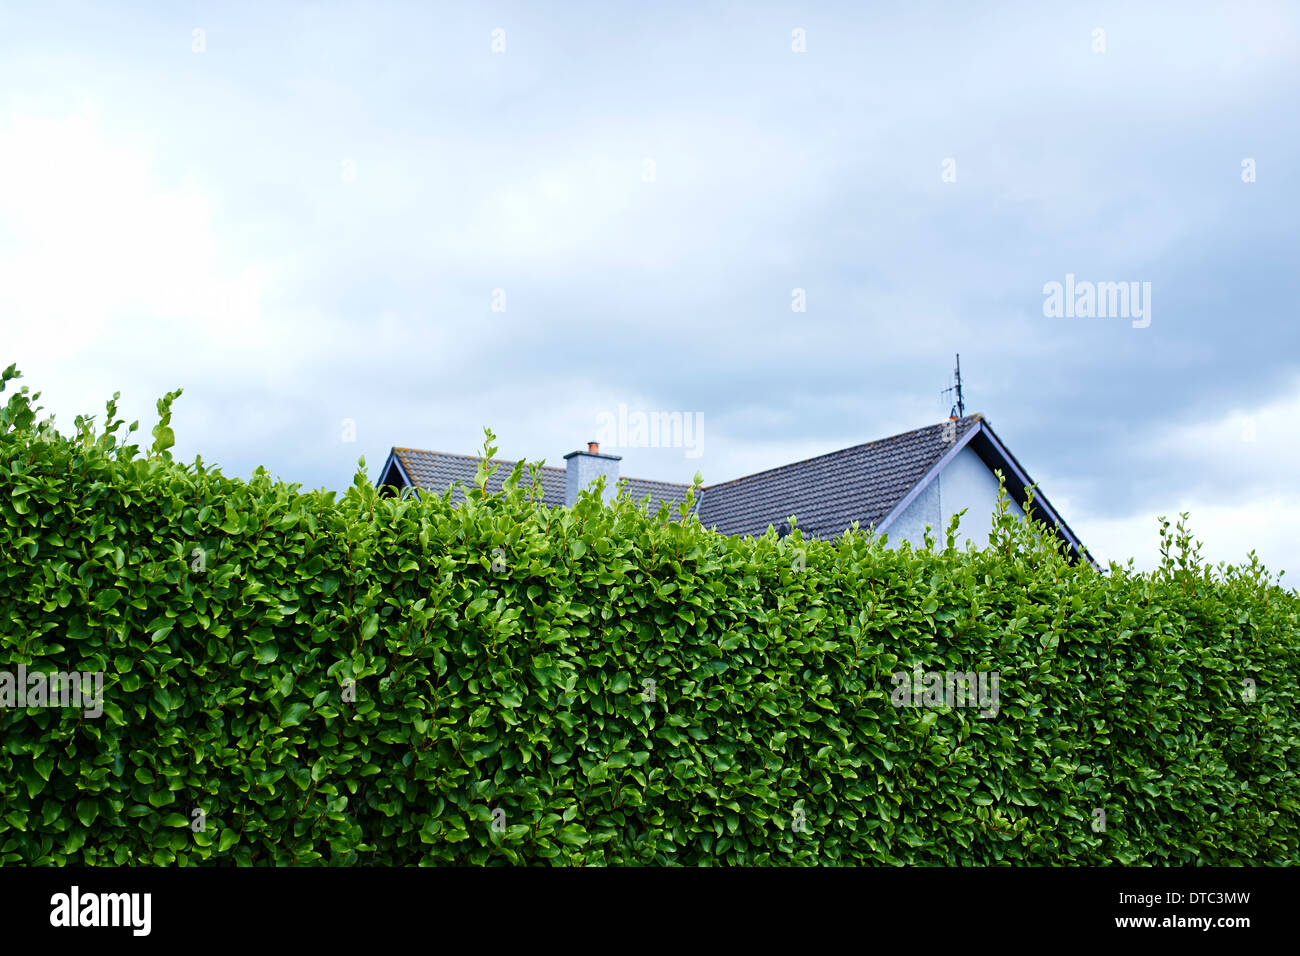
294, 714
87, 811
106, 598
164, 438
513, 697
572, 835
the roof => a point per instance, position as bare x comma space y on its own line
870, 484
829, 493
438, 471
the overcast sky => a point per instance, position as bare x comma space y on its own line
308, 214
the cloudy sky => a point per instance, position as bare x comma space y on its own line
426, 218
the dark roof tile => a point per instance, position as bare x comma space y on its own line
829, 493
437, 471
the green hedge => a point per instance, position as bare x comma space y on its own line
499, 710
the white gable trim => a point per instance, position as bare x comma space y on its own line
930, 475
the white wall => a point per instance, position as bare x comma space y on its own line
967, 483
924, 510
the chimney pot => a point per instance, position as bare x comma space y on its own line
593, 448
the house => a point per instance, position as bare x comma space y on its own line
897, 485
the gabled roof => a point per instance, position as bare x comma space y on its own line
870, 484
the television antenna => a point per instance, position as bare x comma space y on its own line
959, 406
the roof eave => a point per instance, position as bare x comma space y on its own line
1041, 501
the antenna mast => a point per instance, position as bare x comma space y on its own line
959, 407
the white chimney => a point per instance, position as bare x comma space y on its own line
584, 467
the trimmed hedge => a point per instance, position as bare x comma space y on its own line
361, 679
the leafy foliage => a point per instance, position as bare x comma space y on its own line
362, 679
